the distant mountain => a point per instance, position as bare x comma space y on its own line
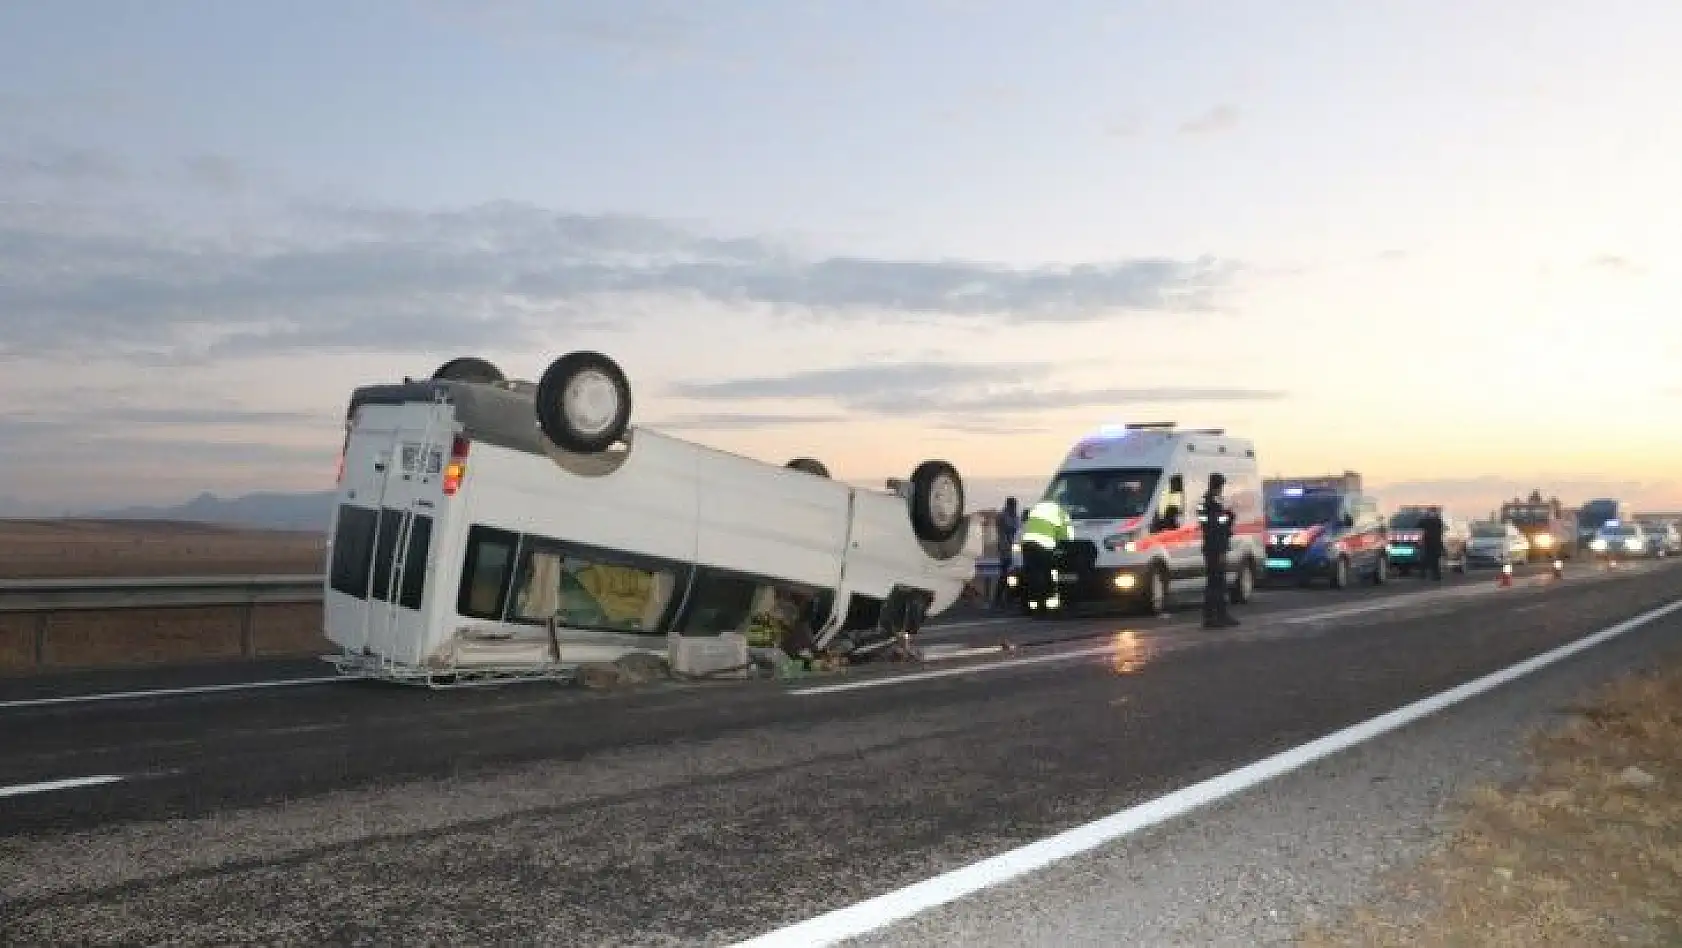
269, 511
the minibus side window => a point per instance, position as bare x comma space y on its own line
486, 573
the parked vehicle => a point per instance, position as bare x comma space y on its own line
1494, 543
1663, 536
1551, 535
1405, 538
495, 528
1132, 492
1329, 533
1621, 540
1594, 514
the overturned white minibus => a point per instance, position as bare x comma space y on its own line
490, 528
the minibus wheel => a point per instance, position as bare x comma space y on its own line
584, 402
808, 466
937, 501
468, 369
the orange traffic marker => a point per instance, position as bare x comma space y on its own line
1506, 576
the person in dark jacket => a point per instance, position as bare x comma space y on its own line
1005, 526
1215, 519
1431, 544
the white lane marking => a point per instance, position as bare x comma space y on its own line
47, 786
966, 624
883, 910
166, 692
949, 672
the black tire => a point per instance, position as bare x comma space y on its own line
808, 466
1155, 599
591, 427
468, 369
1239, 593
1340, 572
937, 501
1381, 571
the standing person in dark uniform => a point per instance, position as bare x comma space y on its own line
1431, 543
1216, 520
1005, 525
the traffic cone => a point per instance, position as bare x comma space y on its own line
1506, 576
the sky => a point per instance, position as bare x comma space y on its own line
1435, 242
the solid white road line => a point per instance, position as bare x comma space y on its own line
883, 910
47, 786
967, 624
166, 692
949, 672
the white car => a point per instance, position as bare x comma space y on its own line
495, 528
1496, 544
1621, 540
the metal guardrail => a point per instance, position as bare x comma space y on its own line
155, 592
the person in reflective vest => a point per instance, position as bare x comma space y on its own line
1214, 517
1046, 526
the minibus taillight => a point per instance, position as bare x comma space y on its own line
456, 469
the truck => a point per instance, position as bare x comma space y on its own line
1594, 514
1551, 534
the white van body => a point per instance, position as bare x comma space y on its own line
464, 543
1117, 484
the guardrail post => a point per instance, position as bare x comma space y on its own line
41, 639
247, 627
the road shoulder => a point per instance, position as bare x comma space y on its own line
1295, 854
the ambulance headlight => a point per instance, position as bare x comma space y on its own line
1010, 580
1126, 581
1544, 540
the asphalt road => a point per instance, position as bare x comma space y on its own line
693, 814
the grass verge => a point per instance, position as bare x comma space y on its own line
1586, 851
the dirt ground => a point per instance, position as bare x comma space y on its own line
1587, 851
39, 549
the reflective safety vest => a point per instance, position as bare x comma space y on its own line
1047, 525
1224, 520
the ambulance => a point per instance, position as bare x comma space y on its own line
488, 528
1132, 492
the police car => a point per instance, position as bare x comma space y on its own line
1131, 492
487, 528
1325, 533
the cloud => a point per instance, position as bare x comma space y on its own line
1221, 118
636, 27
731, 421
970, 395
1127, 126
138, 284
216, 172
61, 165
1615, 264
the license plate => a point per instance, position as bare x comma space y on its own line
1277, 563
1402, 550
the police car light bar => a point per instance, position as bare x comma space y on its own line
1293, 492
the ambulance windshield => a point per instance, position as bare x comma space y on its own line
1116, 494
